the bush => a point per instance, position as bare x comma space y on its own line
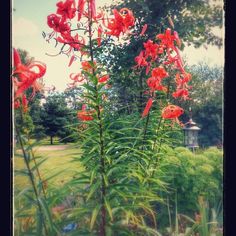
190, 175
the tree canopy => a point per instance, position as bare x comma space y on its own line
57, 118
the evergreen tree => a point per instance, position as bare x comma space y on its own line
57, 118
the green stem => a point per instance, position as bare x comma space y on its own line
101, 139
145, 130
35, 163
39, 175
31, 177
158, 128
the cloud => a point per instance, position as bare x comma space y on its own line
24, 27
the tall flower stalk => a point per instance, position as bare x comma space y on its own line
115, 193
98, 28
25, 77
100, 126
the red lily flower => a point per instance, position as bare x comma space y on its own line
85, 115
182, 86
182, 79
181, 93
25, 76
87, 66
81, 5
148, 107
167, 39
65, 9
171, 112
121, 23
77, 79
103, 79
154, 83
151, 49
159, 72
128, 18
16, 56
92, 8
141, 59
75, 42
58, 24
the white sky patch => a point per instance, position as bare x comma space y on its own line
24, 27
212, 55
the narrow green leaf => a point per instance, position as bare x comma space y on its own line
38, 163
39, 223
94, 216
93, 189
108, 207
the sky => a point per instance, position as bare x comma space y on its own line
30, 20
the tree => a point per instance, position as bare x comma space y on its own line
192, 19
36, 110
206, 103
73, 97
56, 116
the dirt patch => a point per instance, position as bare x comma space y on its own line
52, 147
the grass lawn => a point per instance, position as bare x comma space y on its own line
58, 160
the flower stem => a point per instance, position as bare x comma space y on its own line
31, 177
101, 139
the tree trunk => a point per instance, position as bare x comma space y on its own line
51, 140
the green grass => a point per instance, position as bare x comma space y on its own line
57, 161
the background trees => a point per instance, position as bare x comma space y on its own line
58, 118
195, 22
206, 103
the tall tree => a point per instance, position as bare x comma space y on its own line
56, 116
194, 20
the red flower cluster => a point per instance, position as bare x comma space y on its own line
66, 11
182, 85
122, 22
25, 77
165, 51
171, 112
58, 24
154, 82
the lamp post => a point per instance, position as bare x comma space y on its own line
191, 133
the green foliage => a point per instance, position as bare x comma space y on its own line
57, 118
133, 174
24, 122
128, 86
190, 175
31, 209
206, 103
